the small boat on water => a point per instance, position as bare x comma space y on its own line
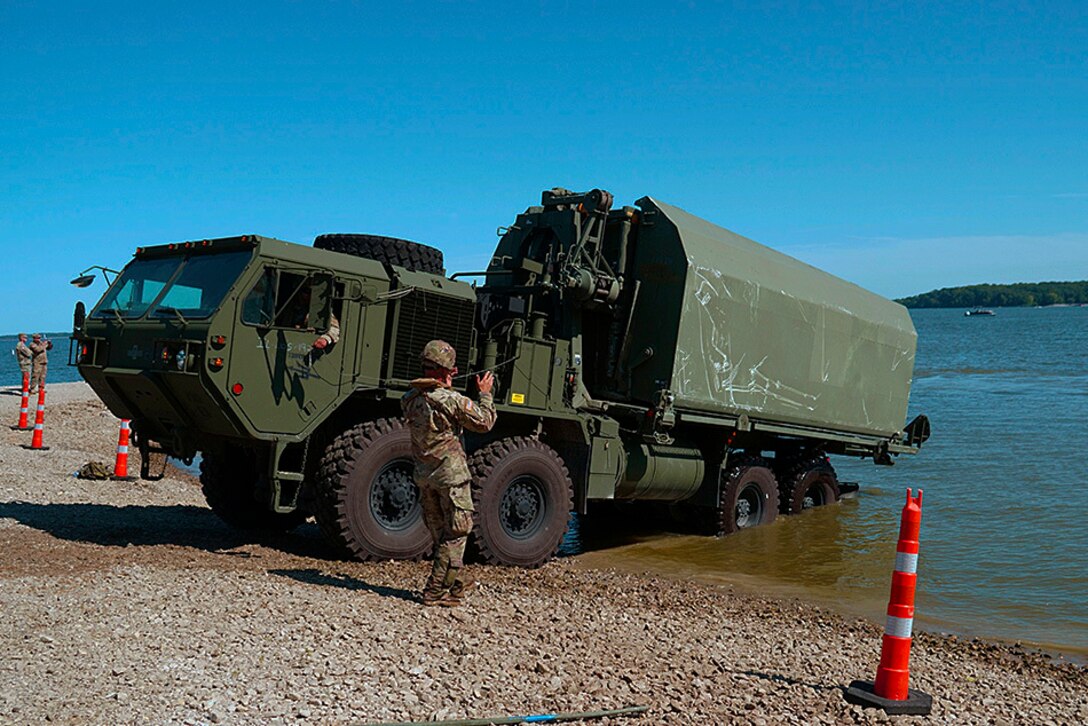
977, 311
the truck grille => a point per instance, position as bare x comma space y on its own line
423, 317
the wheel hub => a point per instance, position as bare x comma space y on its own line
394, 498
814, 497
521, 509
749, 510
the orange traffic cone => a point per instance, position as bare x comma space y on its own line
39, 423
890, 690
24, 406
120, 466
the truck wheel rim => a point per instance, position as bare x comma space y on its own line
394, 498
749, 510
522, 508
814, 497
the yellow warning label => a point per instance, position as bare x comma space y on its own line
518, 398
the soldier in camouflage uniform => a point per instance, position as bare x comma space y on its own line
23, 355
436, 416
39, 349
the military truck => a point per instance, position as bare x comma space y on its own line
640, 353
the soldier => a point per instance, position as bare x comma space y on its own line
40, 362
24, 356
436, 416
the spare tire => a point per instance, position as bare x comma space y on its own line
400, 252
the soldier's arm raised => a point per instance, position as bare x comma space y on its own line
478, 417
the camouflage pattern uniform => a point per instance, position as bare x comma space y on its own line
23, 354
436, 416
40, 362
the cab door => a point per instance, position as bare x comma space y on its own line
286, 383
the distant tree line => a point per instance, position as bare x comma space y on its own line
1020, 294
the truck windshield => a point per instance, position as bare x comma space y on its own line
137, 287
201, 285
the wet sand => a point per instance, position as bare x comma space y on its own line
130, 602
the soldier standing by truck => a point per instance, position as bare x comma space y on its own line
40, 361
436, 416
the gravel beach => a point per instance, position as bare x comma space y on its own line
129, 602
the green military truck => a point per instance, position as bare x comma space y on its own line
640, 353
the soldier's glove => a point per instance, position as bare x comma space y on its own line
320, 343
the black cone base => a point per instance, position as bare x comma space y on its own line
916, 703
35, 448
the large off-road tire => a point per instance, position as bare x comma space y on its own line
809, 481
366, 502
228, 483
400, 252
749, 495
523, 496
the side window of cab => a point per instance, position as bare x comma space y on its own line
288, 300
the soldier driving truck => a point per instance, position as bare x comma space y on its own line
638, 353
436, 416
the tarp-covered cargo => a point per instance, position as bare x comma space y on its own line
731, 326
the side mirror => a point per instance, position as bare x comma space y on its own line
79, 317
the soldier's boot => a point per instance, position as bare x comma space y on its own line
458, 587
436, 588
461, 587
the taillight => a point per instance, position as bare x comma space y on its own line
215, 364
237, 389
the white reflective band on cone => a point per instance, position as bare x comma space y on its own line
122, 449
906, 562
898, 627
38, 426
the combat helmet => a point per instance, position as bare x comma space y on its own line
439, 354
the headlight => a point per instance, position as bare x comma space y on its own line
180, 359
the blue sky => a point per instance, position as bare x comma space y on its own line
903, 146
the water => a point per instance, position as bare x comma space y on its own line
59, 370
1004, 543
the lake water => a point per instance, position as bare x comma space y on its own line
1004, 542
1004, 549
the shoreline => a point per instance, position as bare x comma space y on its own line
131, 602
759, 588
